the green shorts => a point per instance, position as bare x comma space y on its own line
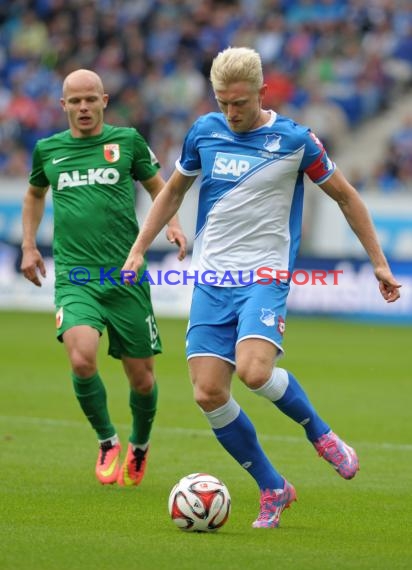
126, 311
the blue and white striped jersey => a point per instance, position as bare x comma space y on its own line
251, 193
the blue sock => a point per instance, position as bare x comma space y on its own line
238, 437
286, 393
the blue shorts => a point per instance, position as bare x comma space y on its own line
220, 317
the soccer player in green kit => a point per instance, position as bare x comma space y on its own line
92, 168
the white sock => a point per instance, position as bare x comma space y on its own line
142, 446
275, 387
224, 415
113, 440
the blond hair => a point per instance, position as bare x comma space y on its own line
236, 64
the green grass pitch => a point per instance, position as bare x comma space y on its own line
55, 516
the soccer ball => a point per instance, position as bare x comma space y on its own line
199, 502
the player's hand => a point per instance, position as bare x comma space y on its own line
388, 286
130, 269
32, 264
174, 234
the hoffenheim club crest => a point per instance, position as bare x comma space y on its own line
272, 143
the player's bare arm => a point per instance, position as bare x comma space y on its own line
357, 216
164, 207
174, 232
33, 209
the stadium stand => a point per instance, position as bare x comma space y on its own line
334, 64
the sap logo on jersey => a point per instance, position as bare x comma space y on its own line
233, 166
93, 176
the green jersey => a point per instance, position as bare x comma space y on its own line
94, 194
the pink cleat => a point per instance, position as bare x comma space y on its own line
272, 504
108, 463
342, 457
133, 468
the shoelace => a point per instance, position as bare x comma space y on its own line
332, 450
139, 455
105, 447
267, 505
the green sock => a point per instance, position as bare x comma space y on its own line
143, 413
92, 398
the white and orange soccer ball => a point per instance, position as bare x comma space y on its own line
199, 502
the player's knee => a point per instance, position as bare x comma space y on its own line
140, 374
209, 399
82, 365
253, 375
84, 369
142, 383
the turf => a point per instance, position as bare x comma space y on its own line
55, 516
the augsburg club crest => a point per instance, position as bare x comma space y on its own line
111, 152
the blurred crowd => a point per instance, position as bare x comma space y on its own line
331, 64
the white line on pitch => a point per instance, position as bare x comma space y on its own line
195, 432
